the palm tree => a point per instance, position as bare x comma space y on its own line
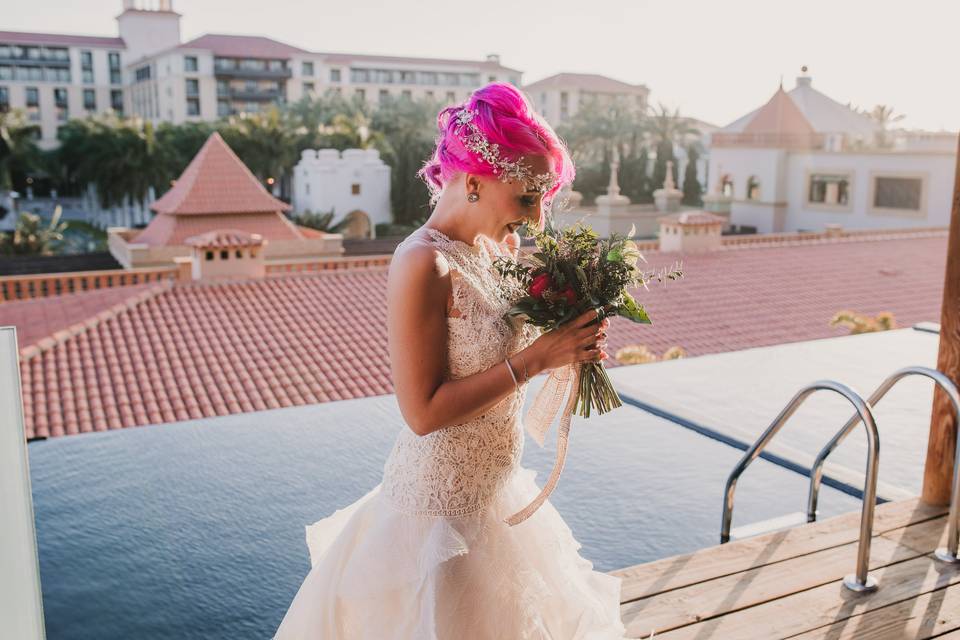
30, 237
667, 129
883, 116
18, 148
594, 131
406, 131
120, 157
266, 142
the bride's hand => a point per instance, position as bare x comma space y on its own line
578, 340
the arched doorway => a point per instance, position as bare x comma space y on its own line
357, 225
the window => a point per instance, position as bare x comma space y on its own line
6, 72
33, 97
897, 194
753, 188
277, 65
223, 108
491, 78
449, 78
359, 75
193, 87
406, 94
190, 64
308, 88
116, 101
428, 77
307, 68
829, 189
142, 74
384, 95
4, 99
564, 105
334, 75
60, 102
209, 255
408, 77
451, 96
86, 66
361, 94
89, 99
355, 189
193, 106
113, 61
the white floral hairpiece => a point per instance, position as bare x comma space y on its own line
474, 140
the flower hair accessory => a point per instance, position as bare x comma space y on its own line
474, 140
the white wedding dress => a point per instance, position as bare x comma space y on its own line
426, 554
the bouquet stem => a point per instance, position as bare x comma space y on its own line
596, 390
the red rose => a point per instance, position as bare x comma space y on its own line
570, 295
540, 283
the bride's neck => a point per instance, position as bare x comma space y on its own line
454, 222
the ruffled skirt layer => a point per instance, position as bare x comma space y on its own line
381, 574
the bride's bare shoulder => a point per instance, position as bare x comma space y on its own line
417, 259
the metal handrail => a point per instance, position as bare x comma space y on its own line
948, 553
861, 580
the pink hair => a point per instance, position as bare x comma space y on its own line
505, 116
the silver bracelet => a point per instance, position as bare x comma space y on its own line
512, 374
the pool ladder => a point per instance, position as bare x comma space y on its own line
860, 580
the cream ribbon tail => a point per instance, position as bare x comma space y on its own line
563, 381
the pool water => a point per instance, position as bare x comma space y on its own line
196, 529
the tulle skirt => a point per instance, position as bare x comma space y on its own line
380, 574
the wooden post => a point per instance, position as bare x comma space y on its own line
938, 472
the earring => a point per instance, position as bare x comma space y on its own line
473, 196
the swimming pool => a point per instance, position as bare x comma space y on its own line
195, 529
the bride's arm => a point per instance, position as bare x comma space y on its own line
417, 291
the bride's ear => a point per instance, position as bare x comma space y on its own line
471, 183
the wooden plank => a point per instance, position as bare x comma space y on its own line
755, 586
824, 605
925, 616
644, 580
942, 441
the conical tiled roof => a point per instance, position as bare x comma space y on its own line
779, 116
217, 181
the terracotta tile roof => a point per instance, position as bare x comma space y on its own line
167, 229
585, 81
217, 181
691, 218
200, 349
225, 238
38, 318
780, 115
360, 58
240, 46
62, 39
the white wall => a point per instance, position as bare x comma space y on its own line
323, 180
937, 168
21, 610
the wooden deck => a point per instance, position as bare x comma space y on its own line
787, 584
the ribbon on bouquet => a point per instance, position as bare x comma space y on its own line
563, 381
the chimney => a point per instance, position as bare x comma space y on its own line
226, 254
805, 80
690, 231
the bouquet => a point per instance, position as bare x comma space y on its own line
573, 270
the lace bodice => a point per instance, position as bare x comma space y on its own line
459, 469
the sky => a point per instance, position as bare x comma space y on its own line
713, 59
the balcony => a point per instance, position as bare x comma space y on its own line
263, 95
231, 71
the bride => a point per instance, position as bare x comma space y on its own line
427, 554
